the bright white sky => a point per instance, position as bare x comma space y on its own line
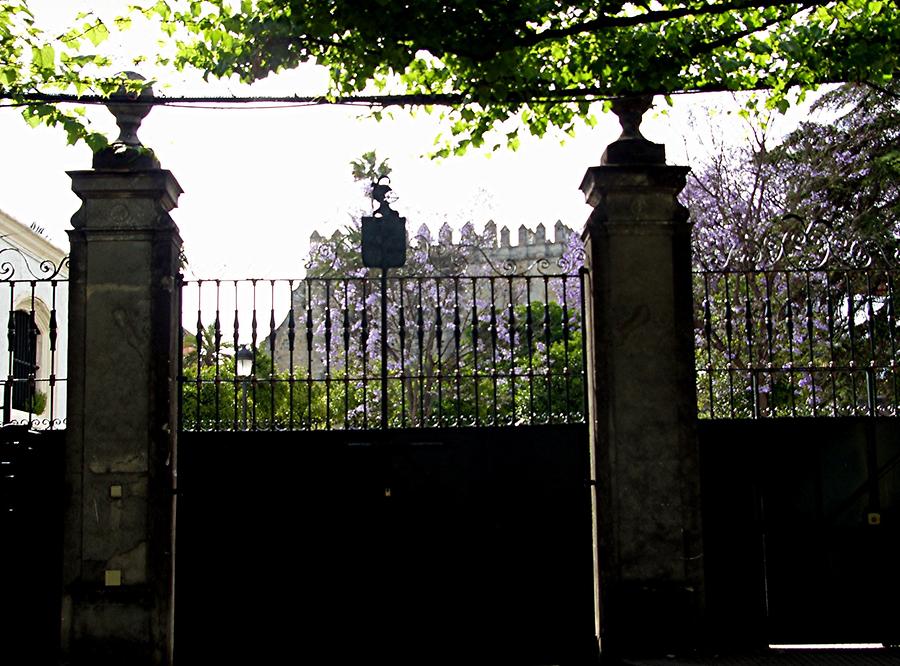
257, 182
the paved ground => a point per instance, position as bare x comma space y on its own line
785, 658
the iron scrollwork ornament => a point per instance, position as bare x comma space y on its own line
794, 244
47, 270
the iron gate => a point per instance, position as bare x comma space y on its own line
401, 475
799, 392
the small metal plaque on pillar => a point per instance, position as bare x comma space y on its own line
383, 234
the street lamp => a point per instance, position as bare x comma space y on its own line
243, 368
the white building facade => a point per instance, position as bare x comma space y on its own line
34, 301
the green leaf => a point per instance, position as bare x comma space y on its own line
96, 33
43, 58
96, 141
48, 57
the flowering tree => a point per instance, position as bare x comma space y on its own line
848, 171
796, 256
467, 341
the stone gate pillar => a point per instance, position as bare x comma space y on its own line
642, 399
121, 431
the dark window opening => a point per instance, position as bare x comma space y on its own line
24, 360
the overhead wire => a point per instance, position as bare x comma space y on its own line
289, 101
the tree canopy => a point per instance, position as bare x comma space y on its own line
535, 63
842, 173
540, 62
35, 64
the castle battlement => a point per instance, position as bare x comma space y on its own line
496, 244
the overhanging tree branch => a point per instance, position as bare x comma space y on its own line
606, 22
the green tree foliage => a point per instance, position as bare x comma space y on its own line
847, 171
368, 169
35, 65
537, 62
214, 396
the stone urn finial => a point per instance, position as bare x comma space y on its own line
632, 147
129, 109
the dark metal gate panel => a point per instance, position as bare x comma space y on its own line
31, 526
408, 546
801, 529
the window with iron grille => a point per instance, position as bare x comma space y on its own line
24, 360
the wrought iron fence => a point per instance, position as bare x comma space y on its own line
362, 352
32, 369
803, 326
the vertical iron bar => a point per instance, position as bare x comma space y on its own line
511, 317
401, 315
547, 342
529, 338
567, 374
420, 336
770, 342
831, 366
457, 333
810, 334
707, 338
179, 285
364, 351
198, 424
328, 325
892, 322
871, 387
236, 338
217, 324
851, 321
748, 332
254, 331
729, 350
493, 331
32, 371
384, 350
346, 340
475, 379
790, 332
439, 341
52, 336
11, 339
291, 336
272, 384
309, 354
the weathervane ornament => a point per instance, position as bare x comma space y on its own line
383, 232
